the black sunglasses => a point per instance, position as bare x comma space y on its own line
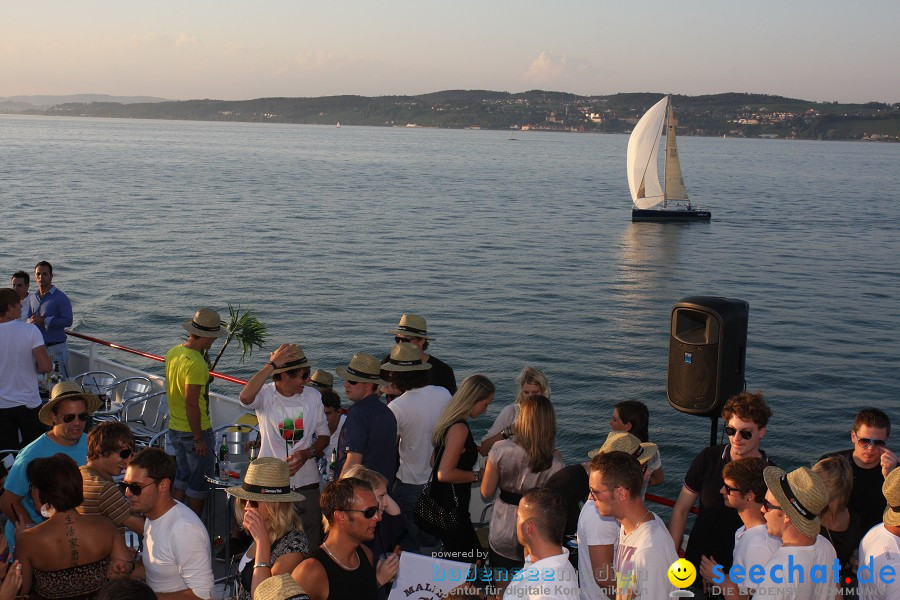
767, 506
367, 513
81, 417
135, 488
250, 503
745, 433
400, 340
729, 489
127, 452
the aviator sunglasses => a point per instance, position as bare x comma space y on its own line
81, 417
745, 433
869, 442
367, 513
135, 488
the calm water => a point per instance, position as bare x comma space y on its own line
516, 252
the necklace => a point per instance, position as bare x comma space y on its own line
340, 564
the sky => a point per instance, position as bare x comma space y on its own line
828, 50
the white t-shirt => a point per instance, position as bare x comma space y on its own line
754, 546
551, 578
505, 419
593, 530
18, 374
417, 412
642, 561
820, 555
325, 461
882, 548
304, 410
176, 553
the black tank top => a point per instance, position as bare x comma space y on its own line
358, 584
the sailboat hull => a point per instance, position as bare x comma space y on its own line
677, 214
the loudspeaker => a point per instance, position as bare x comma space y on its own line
707, 347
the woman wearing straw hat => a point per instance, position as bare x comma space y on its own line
457, 454
531, 382
265, 509
515, 466
280, 587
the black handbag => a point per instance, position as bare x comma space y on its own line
430, 514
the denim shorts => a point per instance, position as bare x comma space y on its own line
190, 469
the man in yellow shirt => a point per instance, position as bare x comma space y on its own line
190, 428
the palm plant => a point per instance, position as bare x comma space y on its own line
247, 329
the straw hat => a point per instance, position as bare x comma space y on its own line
206, 323
411, 326
279, 587
67, 390
629, 443
891, 491
363, 368
267, 480
405, 357
321, 380
298, 363
801, 494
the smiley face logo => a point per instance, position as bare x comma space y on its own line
682, 573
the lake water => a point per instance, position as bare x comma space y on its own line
517, 252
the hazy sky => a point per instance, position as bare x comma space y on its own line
816, 50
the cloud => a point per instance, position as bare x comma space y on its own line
553, 68
186, 41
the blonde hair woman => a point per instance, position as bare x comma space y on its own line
531, 382
265, 508
842, 528
455, 449
515, 466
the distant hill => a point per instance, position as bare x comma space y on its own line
731, 114
48, 101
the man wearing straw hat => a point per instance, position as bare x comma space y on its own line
645, 549
67, 413
369, 435
792, 505
417, 409
190, 428
176, 561
597, 534
412, 329
290, 415
879, 551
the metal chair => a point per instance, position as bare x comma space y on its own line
96, 382
4, 459
146, 416
130, 388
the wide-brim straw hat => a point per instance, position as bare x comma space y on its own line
268, 479
801, 494
622, 441
279, 587
300, 362
67, 390
891, 491
206, 323
321, 380
405, 357
411, 326
363, 368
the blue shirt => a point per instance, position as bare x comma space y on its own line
370, 430
17, 480
56, 309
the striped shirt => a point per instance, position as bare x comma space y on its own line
101, 496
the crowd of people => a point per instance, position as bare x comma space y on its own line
335, 498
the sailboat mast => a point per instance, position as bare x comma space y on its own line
674, 188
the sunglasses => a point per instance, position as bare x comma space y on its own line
367, 513
81, 417
251, 503
869, 442
125, 453
729, 489
745, 433
400, 340
767, 506
135, 488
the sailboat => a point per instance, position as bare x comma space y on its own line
651, 201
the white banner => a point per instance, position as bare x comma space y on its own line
429, 578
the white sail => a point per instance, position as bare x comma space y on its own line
674, 181
643, 146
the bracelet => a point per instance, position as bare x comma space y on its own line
506, 433
261, 565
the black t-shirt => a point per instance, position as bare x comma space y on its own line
866, 498
442, 374
713, 531
572, 484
